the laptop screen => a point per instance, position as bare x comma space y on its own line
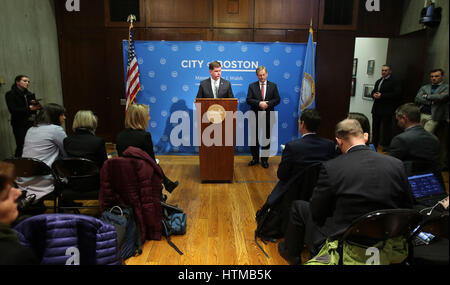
425, 185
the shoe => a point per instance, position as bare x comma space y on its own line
282, 250
253, 162
170, 186
265, 164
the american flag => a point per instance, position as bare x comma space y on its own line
133, 85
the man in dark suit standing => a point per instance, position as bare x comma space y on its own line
415, 144
353, 184
262, 96
215, 86
310, 148
387, 95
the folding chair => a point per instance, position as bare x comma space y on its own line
80, 180
32, 167
378, 226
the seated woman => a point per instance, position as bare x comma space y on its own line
136, 122
83, 142
11, 252
44, 141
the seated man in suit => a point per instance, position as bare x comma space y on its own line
215, 86
353, 184
300, 153
262, 97
414, 144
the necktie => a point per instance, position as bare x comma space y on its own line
216, 87
262, 91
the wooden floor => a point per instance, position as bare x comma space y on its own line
220, 217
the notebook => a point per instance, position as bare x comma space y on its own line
426, 189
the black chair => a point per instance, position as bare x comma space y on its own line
380, 226
31, 167
436, 252
80, 180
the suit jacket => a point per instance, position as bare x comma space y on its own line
438, 101
354, 184
254, 96
137, 138
391, 97
85, 144
415, 144
298, 154
205, 89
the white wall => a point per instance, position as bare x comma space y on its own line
367, 49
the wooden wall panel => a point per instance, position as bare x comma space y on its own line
177, 34
178, 13
333, 77
299, 36
409, 66
385, 23
233, 13
232, 35
83, 74
285, 14
91, 15
269, 35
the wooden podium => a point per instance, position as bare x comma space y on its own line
217, 136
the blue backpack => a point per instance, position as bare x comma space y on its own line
128, 230
173, 223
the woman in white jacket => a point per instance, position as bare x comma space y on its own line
44, 141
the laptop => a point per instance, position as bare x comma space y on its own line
426, 189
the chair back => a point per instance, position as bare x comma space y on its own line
438, 226
383, 224
29, 167
75, 167
82, 174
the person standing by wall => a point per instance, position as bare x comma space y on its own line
22, 105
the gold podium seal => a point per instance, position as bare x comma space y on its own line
216, 114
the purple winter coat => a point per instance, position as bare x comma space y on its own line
60, 239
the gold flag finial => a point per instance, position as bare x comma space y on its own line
131, 18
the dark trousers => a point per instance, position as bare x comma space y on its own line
381, 130
20, 131
302, 230
265, 116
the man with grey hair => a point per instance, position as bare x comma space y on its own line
415, 144
351, 185
262, 96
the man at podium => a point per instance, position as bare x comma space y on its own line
215, 86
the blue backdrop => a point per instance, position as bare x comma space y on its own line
170, 73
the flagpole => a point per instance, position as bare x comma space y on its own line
132, 83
